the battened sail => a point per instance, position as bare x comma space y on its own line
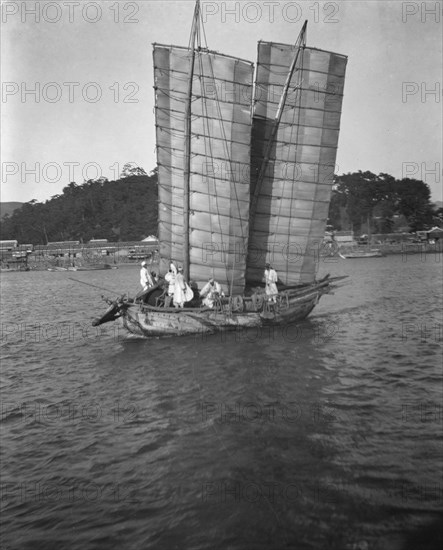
292, 204
219, 162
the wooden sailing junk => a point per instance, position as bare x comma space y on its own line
245, 177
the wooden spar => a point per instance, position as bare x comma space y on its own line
95, 286
301, 41
187, 145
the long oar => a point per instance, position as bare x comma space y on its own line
95, 286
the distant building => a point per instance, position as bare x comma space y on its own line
63, 244
8, 245
430, 235
59, 249
26, 247
435, 232
150, 239
343, 237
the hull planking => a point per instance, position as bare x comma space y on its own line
148, 321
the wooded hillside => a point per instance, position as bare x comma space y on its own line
121, 210
126, 209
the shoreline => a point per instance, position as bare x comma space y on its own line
405, 249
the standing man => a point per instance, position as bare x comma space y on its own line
145, 277
170, 279
179, 289
271, 282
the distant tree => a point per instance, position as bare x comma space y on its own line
131, 169
360, 193
437, 217
366, 197
414, 203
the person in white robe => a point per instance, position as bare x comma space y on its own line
179, 289
210, 292
271, 282
170, 279
145, 277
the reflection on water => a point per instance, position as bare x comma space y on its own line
321, 435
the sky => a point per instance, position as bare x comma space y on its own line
77, 82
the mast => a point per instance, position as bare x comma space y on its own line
187, 144
300, 43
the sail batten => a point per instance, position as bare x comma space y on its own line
293, 190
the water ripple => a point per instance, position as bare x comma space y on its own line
327, 435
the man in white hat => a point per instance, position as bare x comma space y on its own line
179, 289
172, 268
170, 279
145, 277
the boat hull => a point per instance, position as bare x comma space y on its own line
146, 321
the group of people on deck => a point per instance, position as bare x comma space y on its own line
178, 292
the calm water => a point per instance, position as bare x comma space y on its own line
324, 436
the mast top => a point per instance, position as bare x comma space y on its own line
299, 44
195, 36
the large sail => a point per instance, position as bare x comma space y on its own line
220, 133
293, 198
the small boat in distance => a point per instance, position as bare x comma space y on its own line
361, 248
96, 267
361, 253
245, 173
